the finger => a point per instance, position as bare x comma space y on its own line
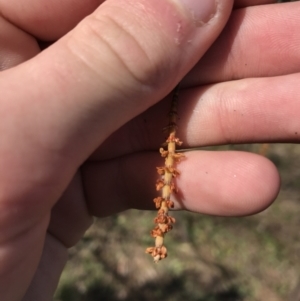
70, 217
61, 104
47, 20
69, 220
16, 46
245, 3
109, 80
249, 110
258, 41
244, 111
50, 25
218, 183
53, 260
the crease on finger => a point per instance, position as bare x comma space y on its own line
16, 46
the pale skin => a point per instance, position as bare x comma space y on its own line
57, 110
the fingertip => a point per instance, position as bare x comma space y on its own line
267, 184
227, 183
259, 186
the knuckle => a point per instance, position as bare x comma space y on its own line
122, 48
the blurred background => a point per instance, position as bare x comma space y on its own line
211, 258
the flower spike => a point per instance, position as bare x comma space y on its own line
164, 222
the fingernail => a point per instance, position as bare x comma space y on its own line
201, 11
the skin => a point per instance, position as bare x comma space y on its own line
79, 135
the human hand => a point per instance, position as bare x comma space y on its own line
52, 111
243, 90
60, 105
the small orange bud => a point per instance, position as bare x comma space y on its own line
156, 232
170, 204
158, 201
163, 152
159, 184
161, 170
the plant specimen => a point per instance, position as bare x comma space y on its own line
163, 221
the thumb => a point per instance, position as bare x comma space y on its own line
58, 107
119, 61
